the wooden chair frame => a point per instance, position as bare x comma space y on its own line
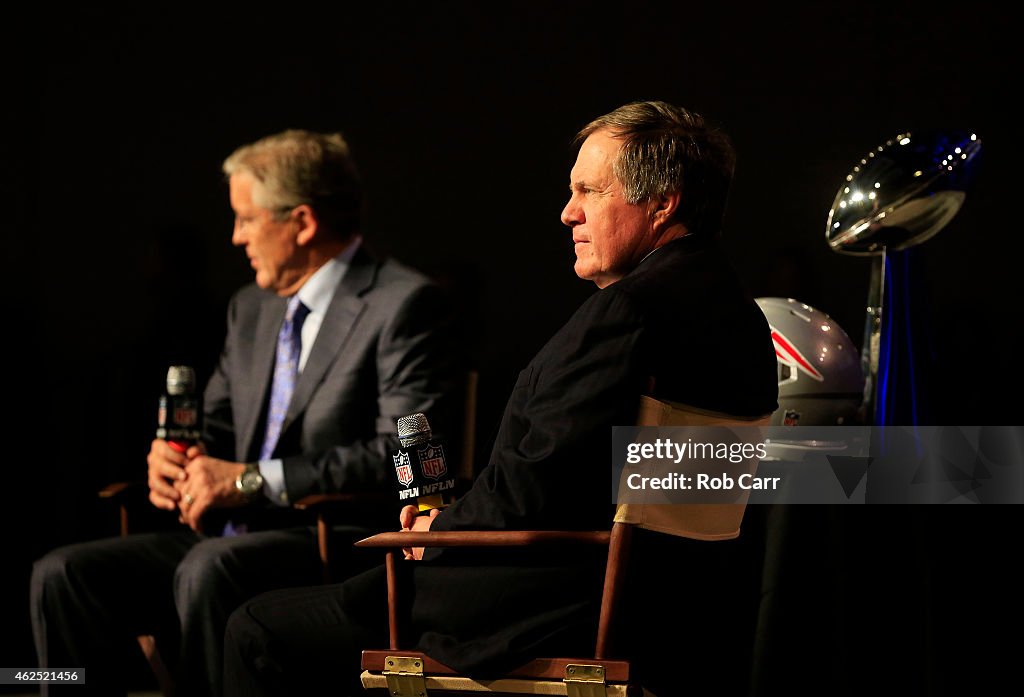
412, 674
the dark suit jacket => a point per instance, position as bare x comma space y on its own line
383, 351
680, 323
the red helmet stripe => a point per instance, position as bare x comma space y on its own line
790, 353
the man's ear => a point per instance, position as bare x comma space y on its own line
663, 209
305, 217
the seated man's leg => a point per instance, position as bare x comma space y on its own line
218, 575
306, 641
89, 600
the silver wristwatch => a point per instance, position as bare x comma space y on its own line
250, 481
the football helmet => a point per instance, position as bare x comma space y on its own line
821, 381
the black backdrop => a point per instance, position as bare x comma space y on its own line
118, 255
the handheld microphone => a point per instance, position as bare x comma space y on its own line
420, 466
180, 407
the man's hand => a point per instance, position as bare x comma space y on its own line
166, 468
209, 483
411, 522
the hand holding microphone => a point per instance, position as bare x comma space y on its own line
180, 408
177, 438
422, 476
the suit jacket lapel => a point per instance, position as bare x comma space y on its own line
341, 317
271, 315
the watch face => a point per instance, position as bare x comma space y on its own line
252, 481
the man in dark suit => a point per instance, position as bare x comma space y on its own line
323, 353
671, 319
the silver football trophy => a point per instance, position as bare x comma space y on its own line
900, 194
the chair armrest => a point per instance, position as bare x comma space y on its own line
119, 489
126, 495
484, 538
330, 508
314, 502
317, 502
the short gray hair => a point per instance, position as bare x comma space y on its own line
298, 167
669, 149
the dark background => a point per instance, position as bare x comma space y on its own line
118, 258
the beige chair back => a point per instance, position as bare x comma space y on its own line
699, 521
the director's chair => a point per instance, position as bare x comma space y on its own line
405, 673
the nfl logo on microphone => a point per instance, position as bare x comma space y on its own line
432, 461
184, 416
403, 468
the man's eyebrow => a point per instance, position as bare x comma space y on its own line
584, 185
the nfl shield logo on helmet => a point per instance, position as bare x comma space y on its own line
403, 467
432, 462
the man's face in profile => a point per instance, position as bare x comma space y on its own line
270, 244
611, 236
